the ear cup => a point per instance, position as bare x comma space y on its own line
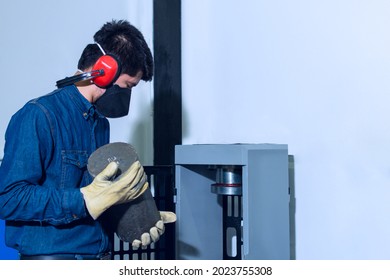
111, 67
104, 73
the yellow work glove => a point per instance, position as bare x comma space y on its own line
105, 192
155, 232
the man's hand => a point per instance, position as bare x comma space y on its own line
104, 192
155, 232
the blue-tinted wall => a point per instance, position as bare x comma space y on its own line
6, 253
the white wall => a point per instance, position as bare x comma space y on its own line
311, 74
41, 42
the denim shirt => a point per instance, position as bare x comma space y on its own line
47, 145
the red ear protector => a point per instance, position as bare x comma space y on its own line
105, 72
111, 69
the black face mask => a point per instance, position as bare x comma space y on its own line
115, 102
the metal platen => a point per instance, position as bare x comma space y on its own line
228, 180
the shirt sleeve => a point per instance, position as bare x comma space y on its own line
28, 150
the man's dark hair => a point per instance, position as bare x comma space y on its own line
126, 43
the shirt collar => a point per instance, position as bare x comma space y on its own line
86, 109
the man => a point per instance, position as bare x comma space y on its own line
49, 201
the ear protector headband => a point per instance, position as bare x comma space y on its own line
104, 72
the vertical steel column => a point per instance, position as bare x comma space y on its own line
167, 120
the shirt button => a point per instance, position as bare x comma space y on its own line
85, 115
74, 216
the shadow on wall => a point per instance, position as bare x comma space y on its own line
291, 179
140, 138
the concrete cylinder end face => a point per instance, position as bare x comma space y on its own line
129, 220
